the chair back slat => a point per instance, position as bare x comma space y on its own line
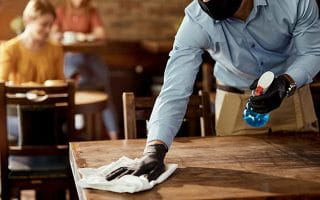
38, 150
193, 113
129, 115
3, 144
24, 89
207, 125
195, 101
145, 102
143, 114
54, 100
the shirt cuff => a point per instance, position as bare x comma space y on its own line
299, 76
160, 133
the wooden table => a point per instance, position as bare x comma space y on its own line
91, 104
157, 46
277, 166
97, 47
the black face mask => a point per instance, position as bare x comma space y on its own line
220, 9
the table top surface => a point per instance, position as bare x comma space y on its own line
90, 101
87, 97
86, 47
277, 166
157, 46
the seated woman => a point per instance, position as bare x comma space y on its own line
29, 58
89, 70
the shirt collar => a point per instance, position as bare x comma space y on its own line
260, 3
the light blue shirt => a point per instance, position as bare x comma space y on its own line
282, 36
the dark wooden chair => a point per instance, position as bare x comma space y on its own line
315, 91
139, 109
44, 181
208, 80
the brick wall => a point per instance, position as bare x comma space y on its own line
8, 10
123, 19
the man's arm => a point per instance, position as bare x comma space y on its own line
306, 36
170, 106
179, 78
304, 66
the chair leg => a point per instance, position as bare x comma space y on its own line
50, 195
16, 193
73, 190
40, 195
6, 194
4, 191
73, 194
61, 194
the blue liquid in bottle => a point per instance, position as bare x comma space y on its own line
253, 118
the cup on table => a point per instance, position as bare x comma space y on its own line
90, 38
69, 37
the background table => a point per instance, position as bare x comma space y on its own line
157, 46
97, 47
277, 166
91, 104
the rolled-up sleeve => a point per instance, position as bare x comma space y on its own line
307, 40
179, 77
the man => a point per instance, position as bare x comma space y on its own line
246, 38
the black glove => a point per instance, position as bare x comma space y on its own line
273, 97
151, 164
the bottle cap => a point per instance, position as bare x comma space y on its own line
264, 82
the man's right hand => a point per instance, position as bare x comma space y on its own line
151, 164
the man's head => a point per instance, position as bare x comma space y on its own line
220, 9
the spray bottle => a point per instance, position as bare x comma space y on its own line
253, 118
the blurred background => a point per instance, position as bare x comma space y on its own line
139, 37
127, 20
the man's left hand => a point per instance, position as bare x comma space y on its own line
272, 98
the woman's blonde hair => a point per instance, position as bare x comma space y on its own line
85, 4
37, 8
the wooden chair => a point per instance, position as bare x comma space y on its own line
12, 180
208, 80
140, 108
315, 91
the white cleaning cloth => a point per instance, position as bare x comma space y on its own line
95, 178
